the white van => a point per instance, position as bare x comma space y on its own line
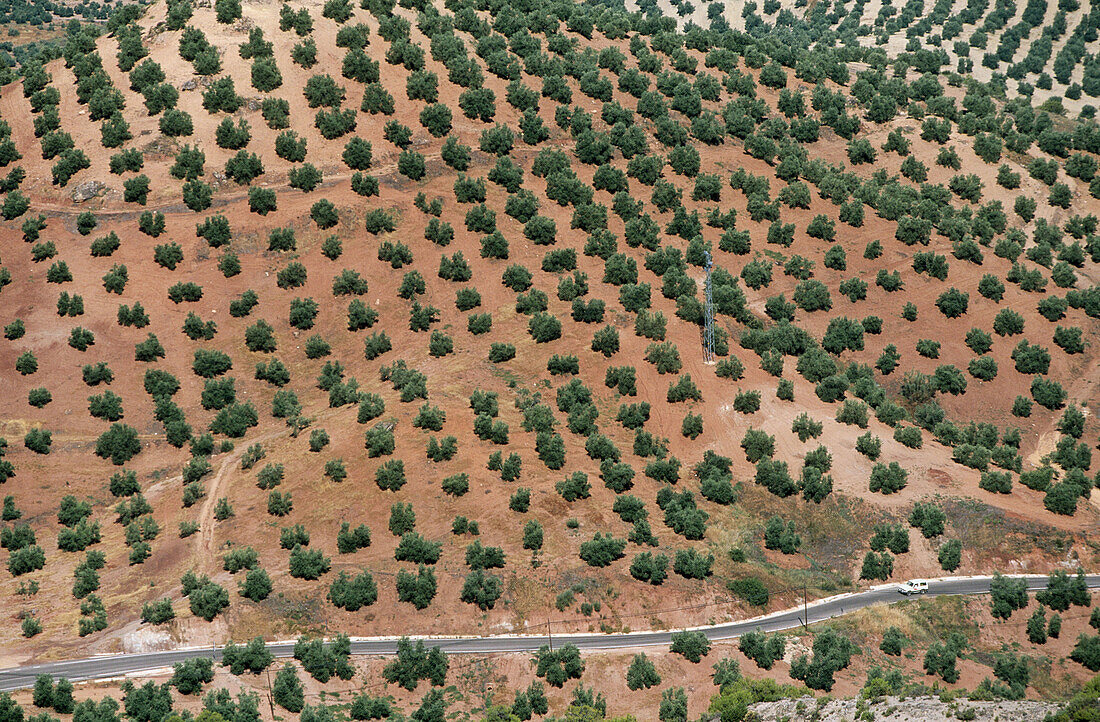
913, 586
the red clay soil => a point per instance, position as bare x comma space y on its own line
531, 582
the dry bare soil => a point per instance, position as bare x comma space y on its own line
999, 531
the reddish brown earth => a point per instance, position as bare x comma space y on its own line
1004, 527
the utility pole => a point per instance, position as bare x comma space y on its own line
805, 607
270, 703
549, 635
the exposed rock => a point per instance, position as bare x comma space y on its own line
894, 709
795, 648
189, 84
146, 640
87, 190
160, 146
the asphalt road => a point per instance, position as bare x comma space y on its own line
118, 665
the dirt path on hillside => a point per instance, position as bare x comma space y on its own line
1079, 392
205, 538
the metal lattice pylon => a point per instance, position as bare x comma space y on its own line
708, 316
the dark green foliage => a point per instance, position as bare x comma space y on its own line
256, 585
234, 420
414, 663
26, 559
757, 445
1087, 652
544, 327
481, 589
559, 665
532, 535
1062, 591
209, 363
893, 641
642, 674
681, 513
648, 567
877, 566
353, 593
287, 690
322, 661
252, 657
189, 676
763, 649
15, 330
185, 292
206, 598
574, 487
390, 476
1047, 393
952, 303
119, 443
1008, 595
940, 658
775, 476
831, 653
929, 519
692, 645
890, 536
601, 550
364, 707
1008, 323
780, 536
684, 389
417, 589
81, 339
950, 555
888, 479
308, 563
39, 397
690, 564
26, 364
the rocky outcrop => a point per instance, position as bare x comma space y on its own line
87, 190
894, 709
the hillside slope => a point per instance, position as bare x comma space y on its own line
581, 271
